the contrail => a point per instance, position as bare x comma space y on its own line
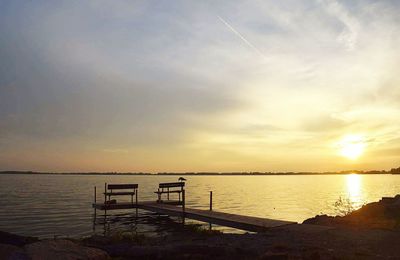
241, 36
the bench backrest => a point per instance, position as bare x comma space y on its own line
172, 185
122, 186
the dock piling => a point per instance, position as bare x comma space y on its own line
211, 202
95, 201
136, 194
105, 201
183, 206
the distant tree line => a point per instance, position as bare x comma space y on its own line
395, 171
392, 171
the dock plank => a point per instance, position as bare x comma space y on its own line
220, 218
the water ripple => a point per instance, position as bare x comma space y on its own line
48, 205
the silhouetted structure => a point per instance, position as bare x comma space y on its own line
177, 208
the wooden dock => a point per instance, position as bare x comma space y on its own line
249, 223
178, 208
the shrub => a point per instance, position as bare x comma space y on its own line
343, 206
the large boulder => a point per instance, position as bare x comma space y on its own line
62, 250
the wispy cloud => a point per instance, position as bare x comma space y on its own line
348, 36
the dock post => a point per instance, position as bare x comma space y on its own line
183, 201
136, 194
183, 206
211, 201
95, 201
95, 210
105, 201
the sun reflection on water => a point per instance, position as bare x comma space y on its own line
354, 185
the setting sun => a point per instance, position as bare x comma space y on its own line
352, 146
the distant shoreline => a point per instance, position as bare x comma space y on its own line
201, 173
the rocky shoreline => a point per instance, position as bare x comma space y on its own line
384, 214
371, 232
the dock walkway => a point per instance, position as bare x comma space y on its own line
249, 223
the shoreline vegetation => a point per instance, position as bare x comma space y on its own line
391, 171
367, 233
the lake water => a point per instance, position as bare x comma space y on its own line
48, 205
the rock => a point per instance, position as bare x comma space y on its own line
16, 240
11, 252
314, 255
163, 252
138, 252
97, 241
274, 256
319, 220
387, 200
384, 214
62, 250
145, 252
213, 251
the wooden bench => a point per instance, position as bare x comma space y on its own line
120, 190
171, 187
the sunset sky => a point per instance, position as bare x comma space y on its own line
199, 85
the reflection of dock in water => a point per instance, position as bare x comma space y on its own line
177, 208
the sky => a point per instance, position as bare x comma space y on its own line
181, 86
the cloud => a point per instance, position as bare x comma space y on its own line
170, 81
349, 35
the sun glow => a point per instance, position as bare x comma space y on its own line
352, 146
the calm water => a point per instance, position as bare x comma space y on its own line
48, 205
